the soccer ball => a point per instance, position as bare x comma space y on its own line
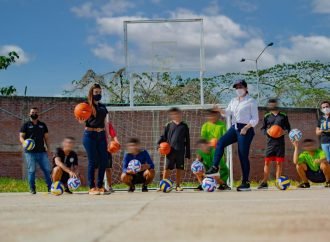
283, 183
166, 185
28, 144
209, 184
197, 166
295, 135
57, 188
74, 183
134, 166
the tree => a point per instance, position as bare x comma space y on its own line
303, 84
5, 62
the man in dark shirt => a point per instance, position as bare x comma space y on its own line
65, 163
176, 133
275, 150
38, 132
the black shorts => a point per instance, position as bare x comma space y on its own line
275, 150
64, 178
175, 160
109, 162
315, 176
138, 178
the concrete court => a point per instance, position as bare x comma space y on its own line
294, 215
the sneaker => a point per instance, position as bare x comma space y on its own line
327, 184
179, 189
111, 190
263, 185
213, 171
304, 185
131, 188
223, 187
103, 191
94, 191
144, 188
244, 187
199, 188
33, 192
67, 191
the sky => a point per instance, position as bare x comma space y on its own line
58, 41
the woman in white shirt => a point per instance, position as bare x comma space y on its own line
243, 111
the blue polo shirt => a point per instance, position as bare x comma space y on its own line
143, 157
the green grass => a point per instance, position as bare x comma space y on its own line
18, 185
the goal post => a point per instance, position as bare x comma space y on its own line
164, 45
147, 123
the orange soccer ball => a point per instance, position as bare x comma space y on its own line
164, 148
275, 131
113, 147
213, 142
83, 111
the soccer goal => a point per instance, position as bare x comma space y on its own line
158, 46
147, 124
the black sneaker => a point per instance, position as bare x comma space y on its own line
67, 191
131, 188
327, 184
304, 185
144, 188
213, 171
199, 188
244, 187
263, 185
33, 192
223, 187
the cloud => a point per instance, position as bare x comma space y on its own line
321, 6
177, 45
23, 56
109, 8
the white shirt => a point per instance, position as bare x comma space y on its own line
243, 111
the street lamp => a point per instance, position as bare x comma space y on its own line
256, 63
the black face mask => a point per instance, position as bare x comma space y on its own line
97, 97
272, 108
34, 116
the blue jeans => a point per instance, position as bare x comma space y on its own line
40, 158
95, 144
326, 149
244, 143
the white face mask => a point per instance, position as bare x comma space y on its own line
325, 110
240, 92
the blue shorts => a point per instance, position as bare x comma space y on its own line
315, 176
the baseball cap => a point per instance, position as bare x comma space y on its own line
242, 82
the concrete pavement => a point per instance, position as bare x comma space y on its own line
294, 215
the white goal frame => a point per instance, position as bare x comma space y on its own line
201, 68
229, 156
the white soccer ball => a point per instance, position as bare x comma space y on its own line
74, 183
197, 166
209, 184
295, 135
134, 166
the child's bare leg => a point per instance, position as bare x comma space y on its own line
178, 177
279, 167
266, 171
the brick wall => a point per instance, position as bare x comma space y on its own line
57, 113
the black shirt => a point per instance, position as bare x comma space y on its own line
324, 125
70, 160
98, 121
280, 119
177, 135
37, 133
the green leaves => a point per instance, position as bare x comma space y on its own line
7, 91
6, 61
